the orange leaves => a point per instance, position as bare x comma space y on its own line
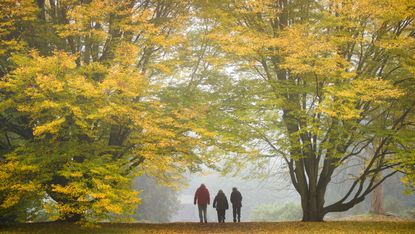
376, 90
387, 10
16, 181
14, 15
49, 83
81, 86
126, 54
128, 81
51, 127
307, 51
342, 101
54, 86
241, 42
96, 111
66, 104
91, 23
97, 188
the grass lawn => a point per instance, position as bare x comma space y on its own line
248, 227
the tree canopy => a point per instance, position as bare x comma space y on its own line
321, 84
94, 93
82, 106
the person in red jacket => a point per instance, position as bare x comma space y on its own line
202, 198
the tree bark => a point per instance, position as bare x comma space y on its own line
312, 209
377, 203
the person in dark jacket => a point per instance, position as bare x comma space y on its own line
221, 204
236, 200
202, 198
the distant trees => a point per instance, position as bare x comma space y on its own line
377, 201
158, 203
277, 212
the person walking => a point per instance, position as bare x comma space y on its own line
202, 198
236, 200
221, 204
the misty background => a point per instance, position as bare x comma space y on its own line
267, 199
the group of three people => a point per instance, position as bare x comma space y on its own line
202, 198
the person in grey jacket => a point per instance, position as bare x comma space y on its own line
236, 200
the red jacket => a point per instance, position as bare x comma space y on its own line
202, 196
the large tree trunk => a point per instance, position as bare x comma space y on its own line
312, 210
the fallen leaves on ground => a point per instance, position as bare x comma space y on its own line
246, 227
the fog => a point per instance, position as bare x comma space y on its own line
254, 192
269, 199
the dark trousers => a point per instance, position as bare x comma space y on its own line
202, 213
236, 213
221, 216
